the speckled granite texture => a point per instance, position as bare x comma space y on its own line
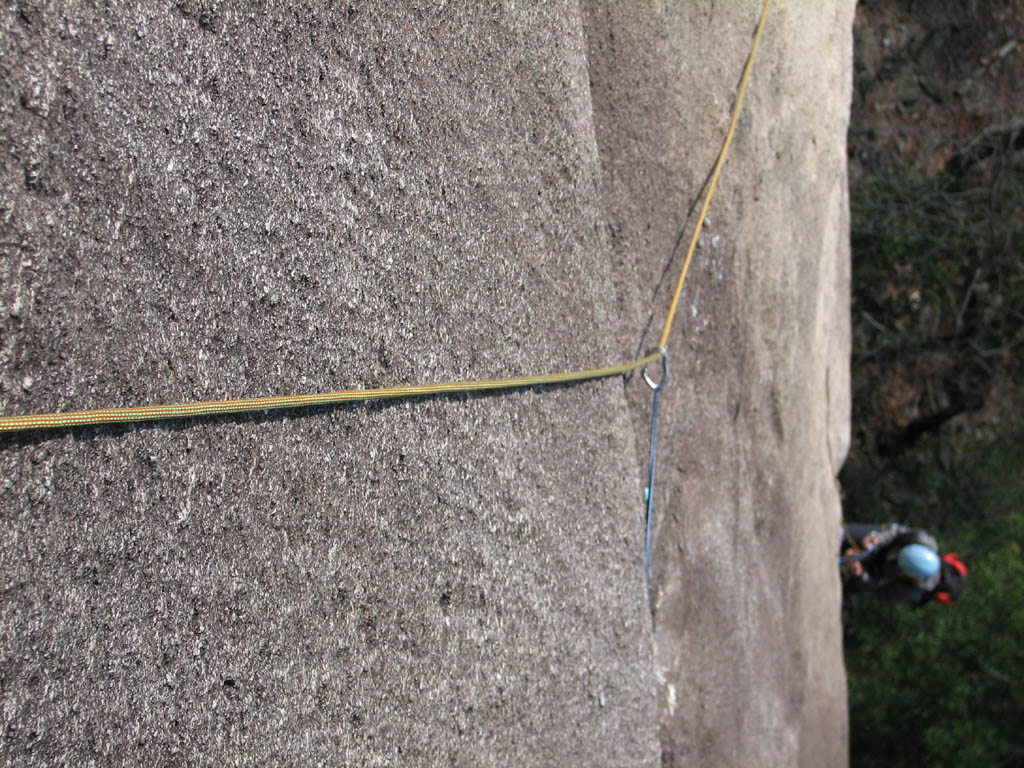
205, 200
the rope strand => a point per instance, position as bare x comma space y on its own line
714, 176
256, 404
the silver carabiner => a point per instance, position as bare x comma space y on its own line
664, 369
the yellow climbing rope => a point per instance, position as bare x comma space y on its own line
257, 404
714, 175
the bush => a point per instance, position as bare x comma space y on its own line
938, 298
941, 686
938, 318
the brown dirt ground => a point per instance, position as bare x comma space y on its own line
937, 88
204, 202
929, 78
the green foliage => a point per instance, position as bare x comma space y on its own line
941, 686
938, 296
938, 289
938, 380
939, 257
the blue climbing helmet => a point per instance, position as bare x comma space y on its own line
918, 561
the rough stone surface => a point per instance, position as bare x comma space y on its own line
200, 201
756, 419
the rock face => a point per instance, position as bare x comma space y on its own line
203, 202
756, 419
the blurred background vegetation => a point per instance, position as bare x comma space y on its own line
937, 203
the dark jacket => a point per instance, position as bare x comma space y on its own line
882, 575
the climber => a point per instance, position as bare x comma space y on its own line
899, 564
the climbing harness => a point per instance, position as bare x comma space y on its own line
656, 386
855, 556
